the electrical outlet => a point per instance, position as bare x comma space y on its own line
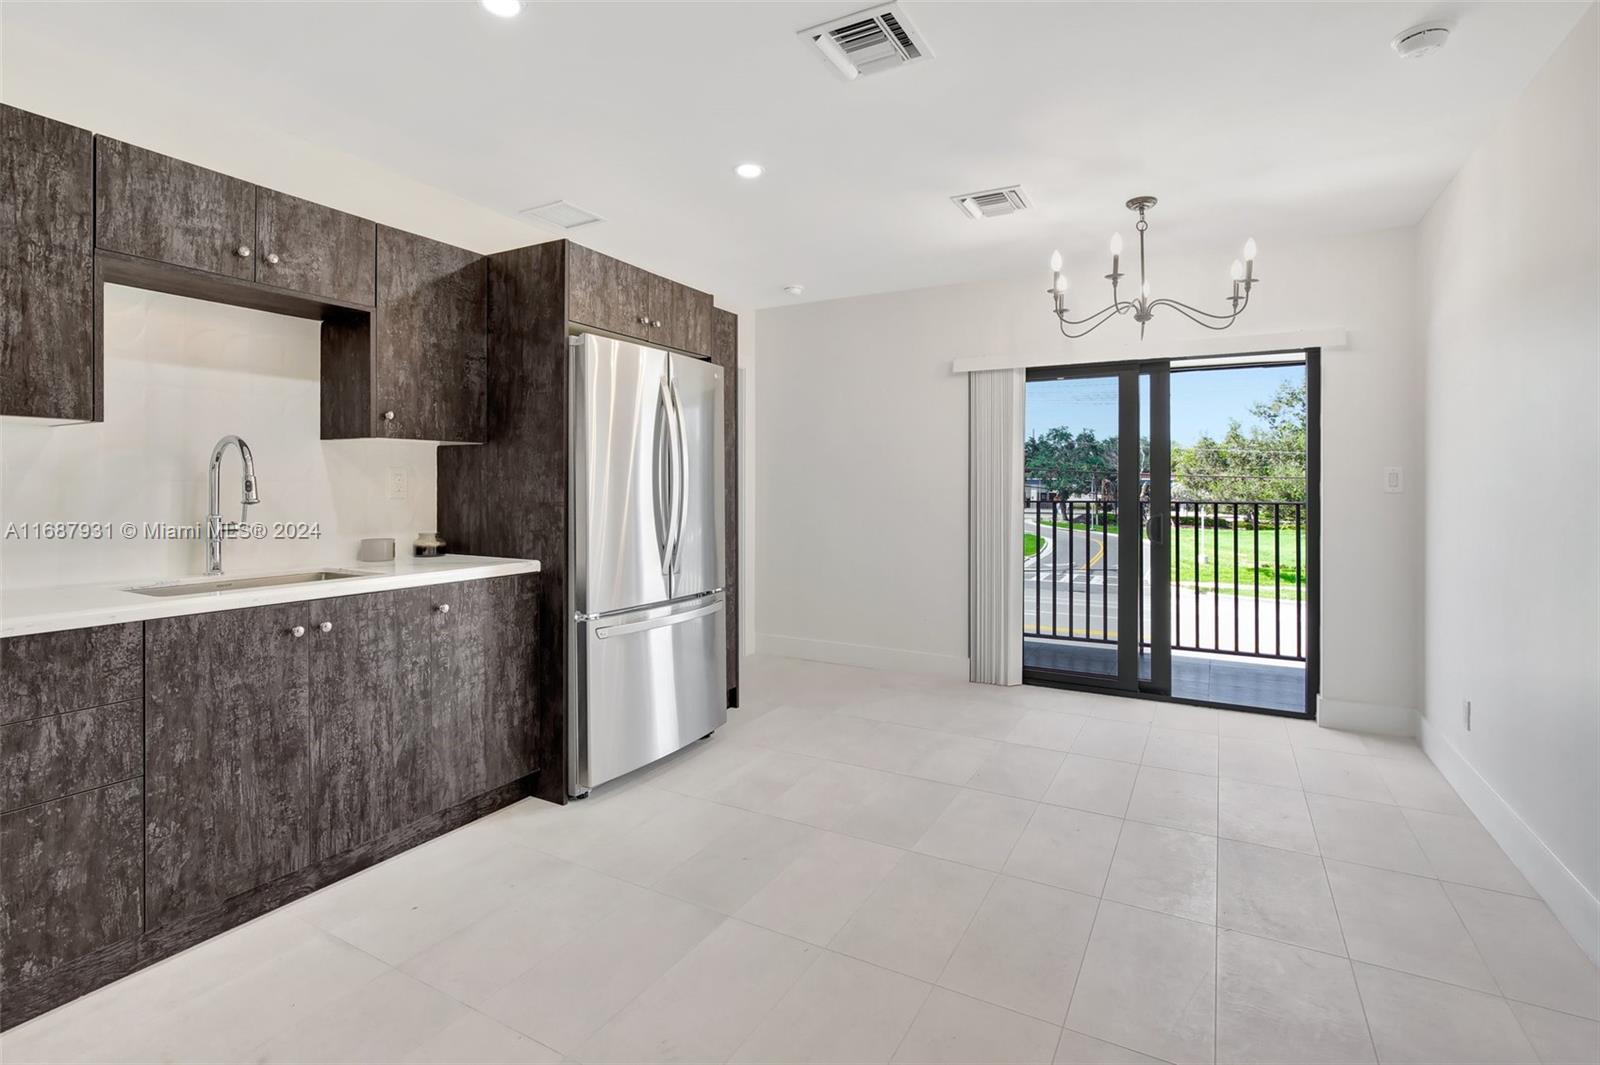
1466, 713
1393, 479
397, 482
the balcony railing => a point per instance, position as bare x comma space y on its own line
1237, 573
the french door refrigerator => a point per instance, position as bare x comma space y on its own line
648, 670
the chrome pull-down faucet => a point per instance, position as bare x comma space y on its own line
216, 528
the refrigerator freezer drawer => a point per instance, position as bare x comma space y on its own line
652, 681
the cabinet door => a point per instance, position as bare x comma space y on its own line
70, 878
461, 630
510, 726
47, 351
609, 294
160, 208
227, 755
369, 681
306, 247
684, 314
430, 342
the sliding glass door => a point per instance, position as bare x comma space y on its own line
1169, 517
1095, 476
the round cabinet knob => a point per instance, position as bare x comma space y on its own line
388, 415
242, 251
298, 631
644, 319
326, 626
655, 323
272, 258
443, 608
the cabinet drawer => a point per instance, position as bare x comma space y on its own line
53, 672
160, 208
70, 878
53, 756
306, 247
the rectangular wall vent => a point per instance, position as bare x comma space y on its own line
992, 203
562, 215
868, 42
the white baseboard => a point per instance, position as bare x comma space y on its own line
1573, 904
1354, 716
866, 655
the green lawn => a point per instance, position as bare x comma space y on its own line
1217, 546
1030, 545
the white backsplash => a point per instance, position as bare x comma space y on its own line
180, 374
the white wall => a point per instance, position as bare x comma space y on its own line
861, 434
180, 374
1508, 282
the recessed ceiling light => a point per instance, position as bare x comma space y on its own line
750, 170
503, 8
794, 290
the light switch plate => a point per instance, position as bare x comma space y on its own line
397, 482
1393, 479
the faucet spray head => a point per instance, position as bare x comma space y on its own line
251, 496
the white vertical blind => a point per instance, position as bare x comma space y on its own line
994, 501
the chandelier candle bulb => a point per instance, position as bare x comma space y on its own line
1237, 270
1055, 270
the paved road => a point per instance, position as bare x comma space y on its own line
1072, 582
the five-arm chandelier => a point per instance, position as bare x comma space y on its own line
1143, 307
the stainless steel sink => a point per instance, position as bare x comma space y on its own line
234, 584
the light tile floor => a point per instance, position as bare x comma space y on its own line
870, 867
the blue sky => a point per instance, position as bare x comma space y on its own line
1203, 401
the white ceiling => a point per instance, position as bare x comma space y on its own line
1273, 120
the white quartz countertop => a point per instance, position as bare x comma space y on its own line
81, 606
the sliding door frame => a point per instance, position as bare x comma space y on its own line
1159, 686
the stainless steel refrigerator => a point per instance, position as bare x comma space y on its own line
648, 670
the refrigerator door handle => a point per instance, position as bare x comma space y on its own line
661, 474
607, 631
676, 493
681, 476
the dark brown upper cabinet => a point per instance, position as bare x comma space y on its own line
48, 364
227, 756
415, 369
156, 207
616, 297
308, 248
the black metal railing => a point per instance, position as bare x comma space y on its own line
1237, 574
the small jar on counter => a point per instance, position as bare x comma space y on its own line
428, 545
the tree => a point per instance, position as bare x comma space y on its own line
1267, 463
1072, 464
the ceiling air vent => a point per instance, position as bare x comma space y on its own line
562, 215
868, 42
992, 203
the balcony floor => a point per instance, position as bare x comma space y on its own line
1264, 684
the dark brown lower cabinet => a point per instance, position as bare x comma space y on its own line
71, 873
227, 755
420, 699
367, 675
